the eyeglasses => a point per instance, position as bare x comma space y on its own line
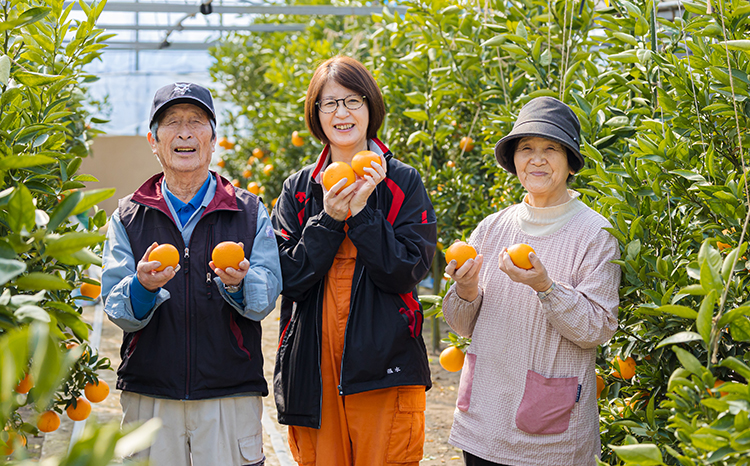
352, 102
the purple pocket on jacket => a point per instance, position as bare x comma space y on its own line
547, 404
464, 387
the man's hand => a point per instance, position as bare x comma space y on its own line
231, 276
536, 277
375, 173
466, 277
147, 274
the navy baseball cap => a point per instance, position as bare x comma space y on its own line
182, 93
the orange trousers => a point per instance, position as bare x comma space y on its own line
379, 427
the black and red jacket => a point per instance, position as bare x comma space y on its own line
395, 236
196, 345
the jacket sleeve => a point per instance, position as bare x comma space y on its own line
397, 256
306, 247
587, 313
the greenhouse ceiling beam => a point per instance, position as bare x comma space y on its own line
247, 28
127, 45
307, 10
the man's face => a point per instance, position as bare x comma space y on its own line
185, 140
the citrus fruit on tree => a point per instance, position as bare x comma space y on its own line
466, 144
599, 385
452, 359
96, 393
91, 291
257, 153
450, 164
80, 411
226, 144
267, 169
166, 254
25, 384
460, 252
297, 140
364, 159
227, 254
48, 421
247, 173
251, 160
337, 171
719, 383
10, 442
253, 187
626, 368
519, 254
236, 183
221, 163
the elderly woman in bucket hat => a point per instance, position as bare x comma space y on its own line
528, 386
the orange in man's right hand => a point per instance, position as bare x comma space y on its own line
519, 254
335, 172
228, 254
167, 254
460, 252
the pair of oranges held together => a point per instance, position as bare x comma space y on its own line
337, 171
460, 251
225, 254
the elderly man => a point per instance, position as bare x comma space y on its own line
191, 351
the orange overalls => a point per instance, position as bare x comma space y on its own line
373, 428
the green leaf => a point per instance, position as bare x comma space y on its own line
30, 312
24, 161
92, 198
71, 243
42, 281
64, 210
735, 313
82, 257
4, 70
736, 365
740, 44
495, 41
681, 311
419, 115
688, 361
32, 79
627, 38
418, 136
682, 337
705, 316
740, 329
10, 269
20, 210
644, 454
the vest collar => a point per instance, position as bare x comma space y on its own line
150, 194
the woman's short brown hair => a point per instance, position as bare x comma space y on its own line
351, 74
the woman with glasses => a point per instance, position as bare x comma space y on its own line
351, 367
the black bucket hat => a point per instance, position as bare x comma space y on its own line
181, 93
548, 118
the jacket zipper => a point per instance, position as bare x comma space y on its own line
187, 322
346, 332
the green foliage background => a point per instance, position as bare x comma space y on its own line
664, 110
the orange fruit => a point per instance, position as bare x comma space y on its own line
599, 386
71, 345
335, 172
80, 411
251, 160
364, 159
221, 163
91, 291
460, 252
519, 254
626, 368
466, 144
274, 201
10, 443
297, 140
268, 169
48, 421
253, 187
257, 153
452, 359
96, 393
722, 246
451, 164
719, 383
227, 254
25, 385
236, 183
226, 143
167, 254
247, 173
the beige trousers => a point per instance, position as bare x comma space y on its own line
219, 431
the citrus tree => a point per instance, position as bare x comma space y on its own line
663, 106
47, 238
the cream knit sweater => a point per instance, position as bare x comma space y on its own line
514, 332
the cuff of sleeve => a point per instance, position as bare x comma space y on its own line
330, 222
364, 216
141, 299
238, 296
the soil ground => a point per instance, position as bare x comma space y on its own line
439, 415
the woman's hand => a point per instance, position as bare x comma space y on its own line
466, 277
366, 185
536, 277
335, 202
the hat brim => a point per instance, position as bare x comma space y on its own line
182, 100
537, 128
